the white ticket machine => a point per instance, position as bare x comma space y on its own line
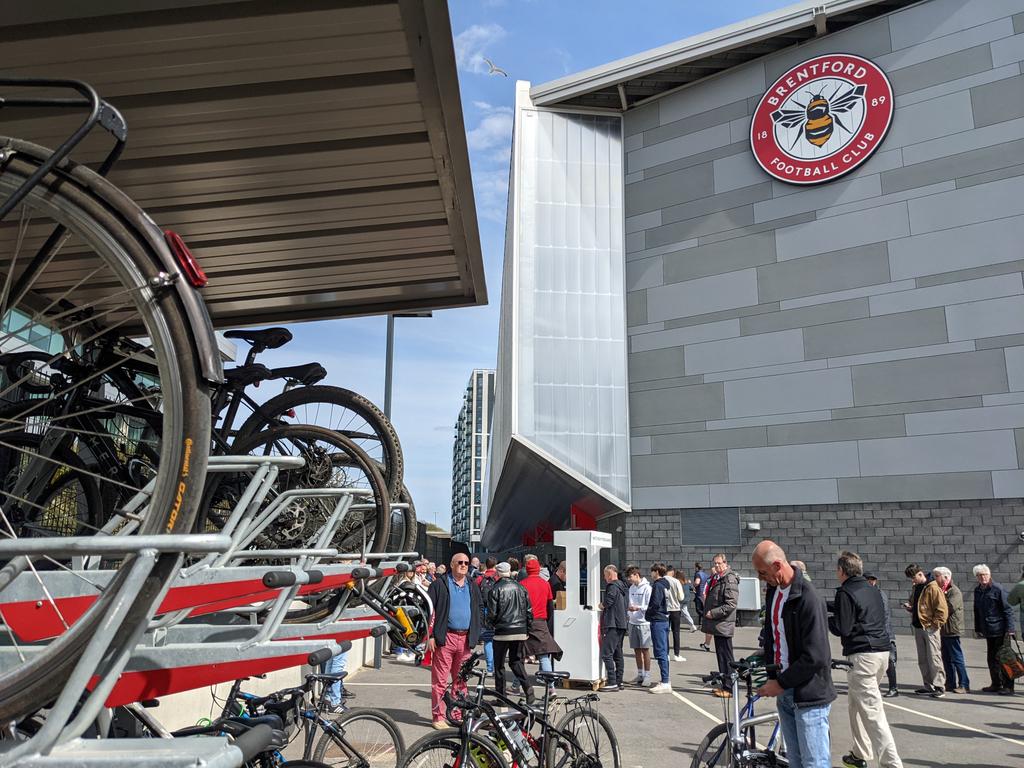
577, 625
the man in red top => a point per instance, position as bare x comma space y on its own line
540, 643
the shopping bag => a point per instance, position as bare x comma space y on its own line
1011, 657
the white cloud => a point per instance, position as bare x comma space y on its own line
493, 130
471, 46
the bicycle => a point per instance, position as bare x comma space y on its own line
734, 744
358, 738
485, 738
83, 262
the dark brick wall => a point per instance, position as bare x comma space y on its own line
888, 536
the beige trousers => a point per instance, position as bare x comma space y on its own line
929, 657
871, 734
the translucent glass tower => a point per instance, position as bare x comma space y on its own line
560, 431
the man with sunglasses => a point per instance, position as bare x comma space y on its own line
454, 631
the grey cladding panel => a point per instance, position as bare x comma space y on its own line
636, 308
640, 119
976, 161
928, 378
720, 202
715, 222
713, 440
999, 101
670, 189
670, 406
835, 431
928, 73
717, 258
716, 526
656, 364
873, 334
824, 273
709, 119
804, 317
932, 487
679, 469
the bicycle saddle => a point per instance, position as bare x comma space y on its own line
550, 676
307, 374
331, 678
246, 375
234, 726
267, 338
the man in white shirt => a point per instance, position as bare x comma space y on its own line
796, 643
639, 628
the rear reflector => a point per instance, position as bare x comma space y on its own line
186, 260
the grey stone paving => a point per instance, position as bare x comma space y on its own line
977, 730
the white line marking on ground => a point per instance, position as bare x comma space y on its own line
956, 725
690, 704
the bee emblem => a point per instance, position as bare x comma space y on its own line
818, 119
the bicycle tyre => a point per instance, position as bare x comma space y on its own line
449, 742
348, 455
102, 217
403, 524
594, 750
715, 749
330, 752
294, 400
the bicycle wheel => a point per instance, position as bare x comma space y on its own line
331, 461
98, 279
442, 750
368, 738
596, 744
69, 502
340, 410
715, 749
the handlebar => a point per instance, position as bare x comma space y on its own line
468, 665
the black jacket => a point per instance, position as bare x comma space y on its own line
616, 602
809, 673
859, 617
508, 608
993, 616
657, 608
438, 593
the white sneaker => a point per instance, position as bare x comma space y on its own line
678, 658
647, 679
660, 688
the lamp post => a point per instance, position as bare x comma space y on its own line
389, 356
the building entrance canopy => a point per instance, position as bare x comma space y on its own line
311, 153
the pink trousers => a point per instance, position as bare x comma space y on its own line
444, 666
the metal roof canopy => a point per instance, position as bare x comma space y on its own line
633, 80
312, 153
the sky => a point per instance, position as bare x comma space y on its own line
533, 40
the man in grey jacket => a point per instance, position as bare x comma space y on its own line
957, 680
720, 614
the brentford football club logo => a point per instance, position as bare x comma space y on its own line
821, 119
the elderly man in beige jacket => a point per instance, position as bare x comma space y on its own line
928, 612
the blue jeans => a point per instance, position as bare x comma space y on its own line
488, 641
953, 662
334, 666
659, 639
805, 730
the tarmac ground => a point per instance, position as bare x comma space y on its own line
975, 730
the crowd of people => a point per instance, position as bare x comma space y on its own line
509, 607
